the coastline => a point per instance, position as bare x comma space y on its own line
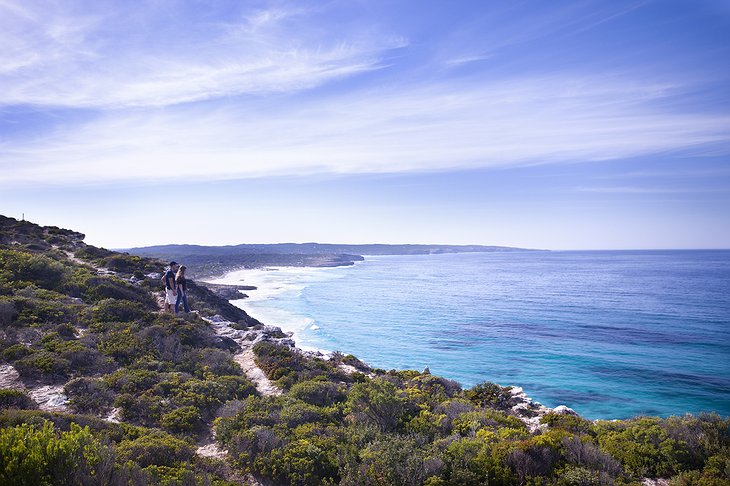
277, 321
207, 383
260, 288
524, 346
520, 404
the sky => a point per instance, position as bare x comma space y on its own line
557, 125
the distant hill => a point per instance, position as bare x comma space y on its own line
319, 249
211, 260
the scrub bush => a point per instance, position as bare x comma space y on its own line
182, 420
155, 449
32, 455
42, 364
15, 399
377, 402
89, 395
20, 269
113, 310
490, 395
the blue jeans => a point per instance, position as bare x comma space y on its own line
182, 296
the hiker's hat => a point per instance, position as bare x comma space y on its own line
173, 263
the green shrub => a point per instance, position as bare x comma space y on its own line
697, 478
21, 269
209, 361
98, 288
718, 465
570, 423
252, 412
134, 381
92, 253
428, 424
114, 310
89, 395
16, 351
141, 409
643, 446
42, 363
124, 262
235, 387
377, 402
431, 390
15, 399
158, 449
208, 395
182, 420
472, 461
577, 476
123, 345
31, 455
468, 423
490, 395
320, 393
53, 342
394, 460
45, 313
295, 413
309, 461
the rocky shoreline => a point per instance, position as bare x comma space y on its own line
520, 404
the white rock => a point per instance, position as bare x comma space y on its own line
10, 378
114, 416
50, 398
563, 410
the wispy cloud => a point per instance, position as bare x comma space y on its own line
521, 122
714, 173
176, 91
642, 190
503, 27
71, 54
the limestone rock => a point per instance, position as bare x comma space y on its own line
563, 410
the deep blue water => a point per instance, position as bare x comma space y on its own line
610, 334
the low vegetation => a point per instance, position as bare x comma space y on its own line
94, 329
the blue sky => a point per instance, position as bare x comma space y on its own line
560, 125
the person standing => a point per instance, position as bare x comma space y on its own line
170, 287
182, 290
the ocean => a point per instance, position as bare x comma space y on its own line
611, 334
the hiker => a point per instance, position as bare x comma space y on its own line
170, 288
182, 290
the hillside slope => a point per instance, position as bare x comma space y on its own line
98, 386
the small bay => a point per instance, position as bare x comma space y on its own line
611, 334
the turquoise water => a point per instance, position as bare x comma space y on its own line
610, 334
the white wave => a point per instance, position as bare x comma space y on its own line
276, 283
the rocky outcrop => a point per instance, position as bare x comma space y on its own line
532, 412
228, 292
49, 398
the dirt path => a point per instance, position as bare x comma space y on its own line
245, 359
263, 385
208, 446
